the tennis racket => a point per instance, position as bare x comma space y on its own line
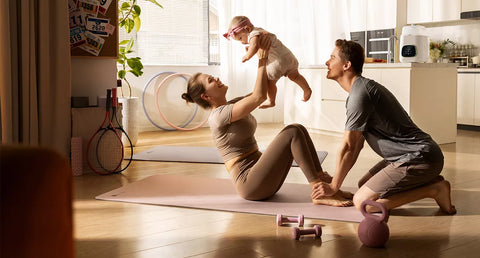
128, 150
105, 149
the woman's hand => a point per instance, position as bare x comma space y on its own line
264, 43
322, 189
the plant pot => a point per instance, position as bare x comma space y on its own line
130, 107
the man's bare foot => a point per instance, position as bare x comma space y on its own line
336, 200
442, 197
306, 94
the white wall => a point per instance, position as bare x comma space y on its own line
92, 76
462, 34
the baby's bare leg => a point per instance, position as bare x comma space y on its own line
271, 95
296, 77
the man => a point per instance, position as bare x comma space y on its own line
412, 161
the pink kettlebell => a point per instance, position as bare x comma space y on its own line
373, 230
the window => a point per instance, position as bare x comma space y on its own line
183, 32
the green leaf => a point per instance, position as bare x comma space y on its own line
129, 25
137, 10
135, 63
136, 72
125, 6
121, 74
129, 45
155, 2
123, 42
138, 23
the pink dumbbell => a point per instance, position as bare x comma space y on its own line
281, 219
317, 230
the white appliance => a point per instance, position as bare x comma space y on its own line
414, 44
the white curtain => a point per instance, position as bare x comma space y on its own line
308, 28
35, 73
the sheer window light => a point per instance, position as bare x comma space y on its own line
183, 32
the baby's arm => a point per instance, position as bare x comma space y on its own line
252, 49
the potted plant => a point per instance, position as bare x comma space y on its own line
437, 50
129, 20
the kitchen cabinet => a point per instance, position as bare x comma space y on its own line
419, 11
423, 11
468, 99
372, 14
470, 5
465, 98
477, 100
381, 14
427, 92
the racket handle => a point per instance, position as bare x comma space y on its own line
109, 100
76, 156
114, 98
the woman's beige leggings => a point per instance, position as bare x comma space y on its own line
259, 176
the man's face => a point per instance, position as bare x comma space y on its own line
335, 65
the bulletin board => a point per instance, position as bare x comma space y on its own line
93, 28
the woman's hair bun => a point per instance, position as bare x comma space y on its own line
187, 97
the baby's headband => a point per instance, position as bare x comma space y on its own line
237, 29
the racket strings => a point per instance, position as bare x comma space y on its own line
127, 143
109, 151
92, 152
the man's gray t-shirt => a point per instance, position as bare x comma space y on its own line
386, 126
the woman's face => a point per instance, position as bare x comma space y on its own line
214, 88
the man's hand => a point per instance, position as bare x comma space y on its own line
322, 189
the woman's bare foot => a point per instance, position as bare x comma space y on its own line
346, 195
336, 200
325, 177
442, 197
306, 94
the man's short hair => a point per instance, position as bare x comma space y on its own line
353, 52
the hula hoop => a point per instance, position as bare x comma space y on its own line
145, 109
160, 111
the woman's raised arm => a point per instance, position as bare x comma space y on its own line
243, 107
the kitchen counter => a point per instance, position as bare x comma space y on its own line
393, 65
468, 70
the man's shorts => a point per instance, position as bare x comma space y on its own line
391, 178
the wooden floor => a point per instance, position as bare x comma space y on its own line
113, 229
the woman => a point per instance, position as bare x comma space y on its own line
256, 176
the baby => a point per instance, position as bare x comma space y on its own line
281, 61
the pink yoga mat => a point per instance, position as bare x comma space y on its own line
219, 194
